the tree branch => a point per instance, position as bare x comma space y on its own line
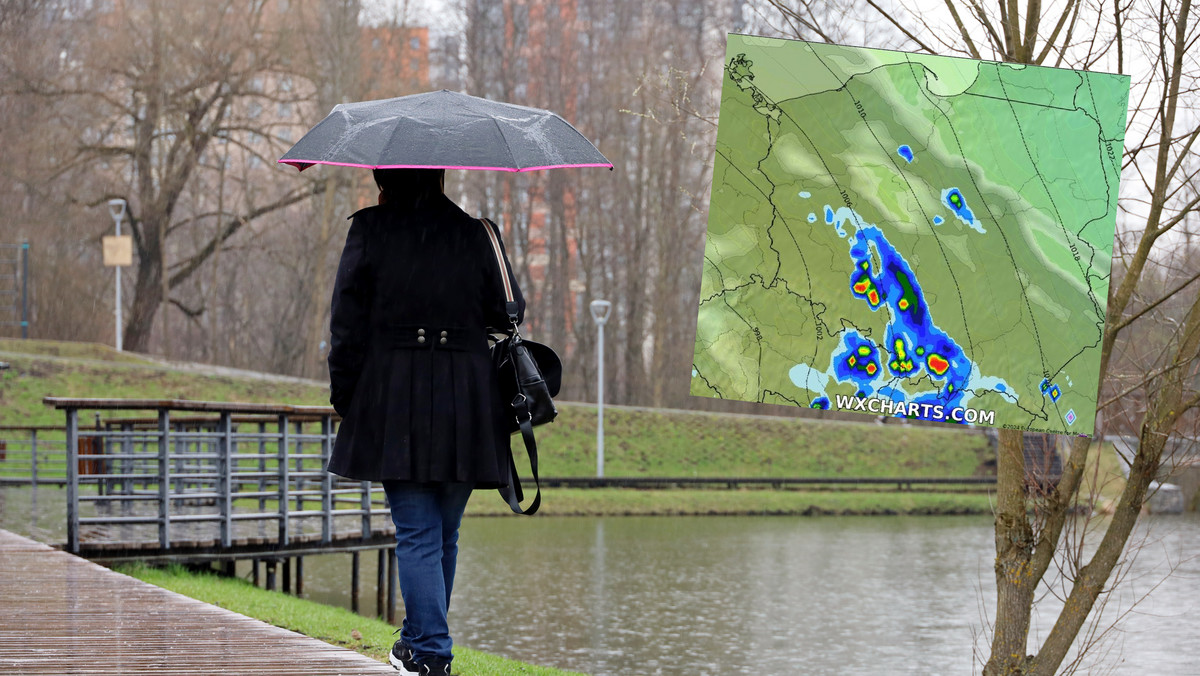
1050, 41
892, 20
191, 314
234, 224
962, 29
1170, 294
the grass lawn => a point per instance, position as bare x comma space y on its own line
638, 442
630, 502
329, 624
679, 443
87, 370
71, 350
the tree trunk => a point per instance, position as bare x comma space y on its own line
316, 320
1165, 407
1014, 550
147, 294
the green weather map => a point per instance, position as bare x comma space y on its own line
910, 235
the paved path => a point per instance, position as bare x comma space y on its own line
60, 614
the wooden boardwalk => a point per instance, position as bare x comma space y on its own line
60, 614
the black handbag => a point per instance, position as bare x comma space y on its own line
529, 375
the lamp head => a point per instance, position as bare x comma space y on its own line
116, 208
600, 311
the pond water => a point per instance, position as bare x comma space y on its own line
756, 595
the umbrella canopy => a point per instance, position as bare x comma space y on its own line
443, 130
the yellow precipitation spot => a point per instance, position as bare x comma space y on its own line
903, 304
901, 353
864, 350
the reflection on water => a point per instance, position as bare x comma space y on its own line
732, 595
39, 513
753, 595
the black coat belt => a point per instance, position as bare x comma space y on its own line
417, 337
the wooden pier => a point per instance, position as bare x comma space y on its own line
199, 482
65, 615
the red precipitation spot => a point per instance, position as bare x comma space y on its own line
903, 303
873, 297
862, 285
871, 369
937, 364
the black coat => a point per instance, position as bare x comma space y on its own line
409, 366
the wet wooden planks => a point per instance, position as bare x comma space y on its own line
60, 614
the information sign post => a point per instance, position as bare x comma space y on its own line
118, 252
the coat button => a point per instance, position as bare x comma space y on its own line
442, 341
420, 332
421, 339
443, 334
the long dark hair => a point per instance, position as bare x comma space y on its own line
409, 187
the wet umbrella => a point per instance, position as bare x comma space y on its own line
443, 130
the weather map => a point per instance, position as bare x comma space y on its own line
910, 235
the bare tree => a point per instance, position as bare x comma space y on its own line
159, 83
631, 76
334, 65
33, 43
1033, 529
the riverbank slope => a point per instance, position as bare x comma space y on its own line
639, 442
337, 626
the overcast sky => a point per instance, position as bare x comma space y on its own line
439, 16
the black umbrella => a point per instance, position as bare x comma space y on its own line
443, 130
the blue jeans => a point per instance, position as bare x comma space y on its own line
427, 517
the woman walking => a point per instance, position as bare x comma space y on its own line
417, 289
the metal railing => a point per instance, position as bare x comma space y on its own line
223, 475
32, 454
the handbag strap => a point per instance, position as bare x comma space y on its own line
510, 303
512, 493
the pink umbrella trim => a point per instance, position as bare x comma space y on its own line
304, 164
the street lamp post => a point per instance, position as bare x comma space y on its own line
116, 209
600, 310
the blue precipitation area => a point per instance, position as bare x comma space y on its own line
914, 342
906, 153
953, 198
858, 362
938, 220
836, 218
812, 218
